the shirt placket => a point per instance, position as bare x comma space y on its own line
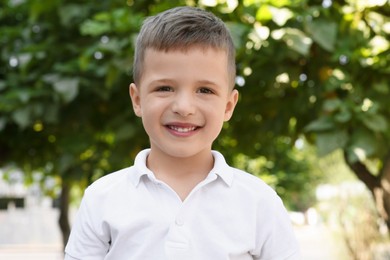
178, 240
178, 243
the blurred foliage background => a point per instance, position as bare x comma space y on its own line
313, 76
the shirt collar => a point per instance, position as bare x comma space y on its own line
140, 167
221, 168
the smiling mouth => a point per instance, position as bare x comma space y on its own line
181, 129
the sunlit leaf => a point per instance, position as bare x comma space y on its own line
363, 4
375, 122
281, 16
331, 105
323, 32
280, 3
321, 124
94, 28
294, 38
328, 142
263, 14
378, 45
67, 88
361, 146
378, 22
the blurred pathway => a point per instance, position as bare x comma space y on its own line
32, 233
318, 243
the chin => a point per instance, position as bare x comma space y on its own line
185, 152
182, 154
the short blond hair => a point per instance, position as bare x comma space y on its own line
182, 28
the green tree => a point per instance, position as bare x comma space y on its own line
306, 68
64, 76
318, 69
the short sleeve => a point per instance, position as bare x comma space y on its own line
276, 239
89, 238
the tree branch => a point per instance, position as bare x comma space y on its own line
363, 174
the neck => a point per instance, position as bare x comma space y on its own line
181, 174
163, 165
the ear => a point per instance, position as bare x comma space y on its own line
231, 104
135, 99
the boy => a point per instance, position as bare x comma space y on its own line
181, 200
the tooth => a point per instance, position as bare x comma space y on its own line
183, 129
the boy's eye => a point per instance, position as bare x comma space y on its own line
164, 89
205, 91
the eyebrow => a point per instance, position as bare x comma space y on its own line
162, 81
207, 82
170, 81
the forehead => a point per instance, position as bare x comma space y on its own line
195, 63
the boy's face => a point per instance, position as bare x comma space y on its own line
183, 99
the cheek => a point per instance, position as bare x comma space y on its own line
150, 107
152, 113
216, 119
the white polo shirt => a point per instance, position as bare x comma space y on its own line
231, 214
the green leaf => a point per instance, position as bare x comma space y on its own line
331, 105
379, 23
365, 4
113, 45
94, 28
378, 44
22, 117
328, 142
237, 31
375, 122
263, 14
38, 8
280, 3
343, 116
72, 13
295, 39
65, 162
67, 88
102, 17
362, 145
323, 32
321, 124
281, 16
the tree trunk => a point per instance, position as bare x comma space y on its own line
385, 184
64, 212
379, 186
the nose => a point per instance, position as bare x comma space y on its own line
183, 104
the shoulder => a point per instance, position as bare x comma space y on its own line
112, 182
251, 184
118, 184
241, 182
